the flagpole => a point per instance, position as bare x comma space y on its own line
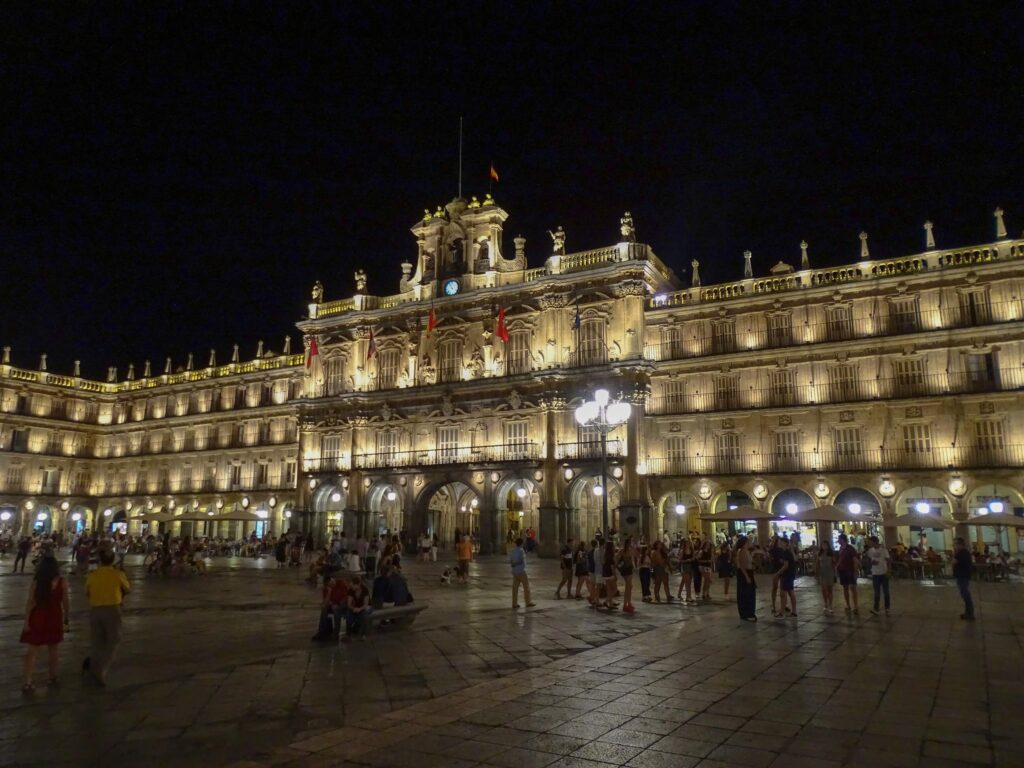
490, 179
460, 156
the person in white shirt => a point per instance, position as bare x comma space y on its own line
353, 563
878, 556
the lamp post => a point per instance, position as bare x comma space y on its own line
603, 416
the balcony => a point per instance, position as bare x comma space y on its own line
700, 341
486, 454
589, 449
846, 391
888, 459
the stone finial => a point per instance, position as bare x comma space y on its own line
360, 277
520, 243
147, 370
627, 228
7, 356
1000, 225
558, 241
748, 269
805, 261
78, 369
188, 365
131, 371
111, 375
317, 294
213, 359
929, 236
287, 345
406, 270
42, 362
234, 354
864, 245
695, 274
259, 349
167, 366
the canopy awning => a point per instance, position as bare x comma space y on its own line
740, 513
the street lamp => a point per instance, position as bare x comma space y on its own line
604, 417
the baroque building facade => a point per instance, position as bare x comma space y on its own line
891, 386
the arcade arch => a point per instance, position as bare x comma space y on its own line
518, 502
588, 507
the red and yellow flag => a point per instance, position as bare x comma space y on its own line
494, 174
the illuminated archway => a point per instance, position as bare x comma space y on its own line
442, 505
587, 502
386, 502
678, 513
518, 500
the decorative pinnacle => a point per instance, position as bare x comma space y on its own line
42, 362
695, 275
864, 245
287, 345
805, 262
1000, 226
748, 270
929, 237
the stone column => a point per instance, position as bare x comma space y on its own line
890, 533
551, 532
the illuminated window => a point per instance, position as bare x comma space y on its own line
787, 444
448, 443
591, 341
847, 442
727, 392
674, 395
780, 330
723, 336
839, 323
387, 369
335, 376
783, 386
909, 375
675, 448
671, 343
917, 438
904, 315
386, 443
450, 362
842, 382
516, 439
518, 357
330, 450
988, 435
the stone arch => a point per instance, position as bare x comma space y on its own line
728, 498
788, 502
386, 502
328, 504
439, 508
673, 522
587, 504
912, 501
989, 498
518, 501
10, 517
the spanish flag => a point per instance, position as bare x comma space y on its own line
494, 174
431, 320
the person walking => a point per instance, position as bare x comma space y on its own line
24, 547
46, 618
746, 586
687, 564
464, 553
963, 567
517, 561
644, 562
566, 562
659, 567
847, 567
879, 559
786, 579
725, 565
627, 564
705, 561
826, 576
580, 564
105, 587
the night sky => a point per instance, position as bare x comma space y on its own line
176, 176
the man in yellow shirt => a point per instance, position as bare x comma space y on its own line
105, 587
464, 553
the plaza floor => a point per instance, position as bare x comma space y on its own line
219, 670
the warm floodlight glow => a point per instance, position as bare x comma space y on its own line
680, 509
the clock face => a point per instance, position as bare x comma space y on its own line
451, 287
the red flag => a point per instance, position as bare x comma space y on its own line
494, 173
431, 320
501, 331
371, 348
314, 365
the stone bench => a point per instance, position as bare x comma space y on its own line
394, 615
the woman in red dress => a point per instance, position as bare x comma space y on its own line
46, 616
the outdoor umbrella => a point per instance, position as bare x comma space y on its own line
740, 513
240, 514
826, 514
1011, 521
919, 521
154, 517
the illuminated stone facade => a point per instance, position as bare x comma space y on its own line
889, 384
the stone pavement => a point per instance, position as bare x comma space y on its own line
219, 670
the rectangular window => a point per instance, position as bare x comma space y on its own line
675, 448
518, 354
917, 438
727, 393
787, 444
904, 316
14, 478
839, 323
723, 337
289, 474
847, 441
981, 372
975, 308
386, 444
780, 330
330, 451
236, 476
335, 374
729, 457
783, 386
988, 435
387, 369
842, 382
262, 474
674, 397
671, 343
591, 340
451, 360
448, 443
909, 375
516, 439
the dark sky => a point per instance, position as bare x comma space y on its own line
175, 176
